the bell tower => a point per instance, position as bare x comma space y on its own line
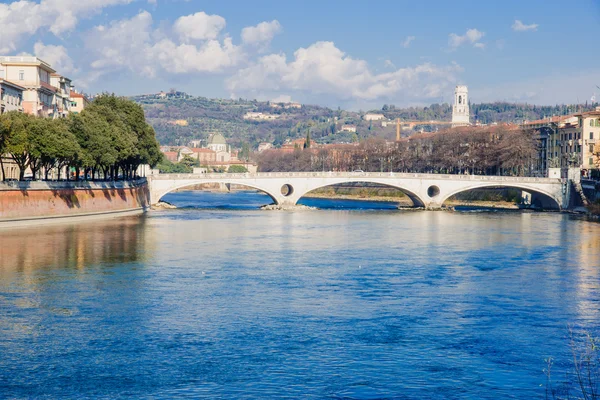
460, 110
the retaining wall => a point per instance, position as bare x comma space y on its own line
44, 200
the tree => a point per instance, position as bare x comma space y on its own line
307, 142
17, 126
189, 161
237, 169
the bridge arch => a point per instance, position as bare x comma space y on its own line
160, 194
545, 199
415, 198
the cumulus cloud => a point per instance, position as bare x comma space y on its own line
407, 41
199, 26
261, 34
132, 44
472, 36
56, 56
519, 26
324, 69
23, 18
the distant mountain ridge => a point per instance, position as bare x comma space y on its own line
179, 118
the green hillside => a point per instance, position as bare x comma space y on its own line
179, 118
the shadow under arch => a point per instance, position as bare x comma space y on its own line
540, 199
416, 200
225, 181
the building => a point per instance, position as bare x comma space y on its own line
568, 140
349, 128
204, 156
34, 75
264, 146
589, 123
292, 105
62, 97
11, 96
78, 102
373, 117
460, 110
258, 116
218, 144
172, 156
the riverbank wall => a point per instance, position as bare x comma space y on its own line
37, 201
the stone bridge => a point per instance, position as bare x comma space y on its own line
425, 190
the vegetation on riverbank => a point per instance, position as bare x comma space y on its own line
581, 380
110, 139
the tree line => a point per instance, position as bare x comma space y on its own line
498, 150
109, 140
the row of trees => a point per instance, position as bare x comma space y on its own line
110, 139
499, 150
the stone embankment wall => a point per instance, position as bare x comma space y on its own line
45, 200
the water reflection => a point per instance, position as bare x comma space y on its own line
70, 246
242, 303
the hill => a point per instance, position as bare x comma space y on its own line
179, 119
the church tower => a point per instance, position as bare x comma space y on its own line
460, 111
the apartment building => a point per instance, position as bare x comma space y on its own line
62, 97
11, 96
569, 140
78, 102
589, 126
33, 74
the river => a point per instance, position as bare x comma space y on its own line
354, 301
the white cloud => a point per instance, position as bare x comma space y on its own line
519, 26
407, 41
23, 18
261, 34
56, 56
199, 26
389, 64
132, 44
323, 69
472, 36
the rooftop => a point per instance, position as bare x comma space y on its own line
26, 60
9, 83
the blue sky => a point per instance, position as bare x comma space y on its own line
353, 54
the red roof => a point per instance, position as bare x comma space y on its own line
48, 86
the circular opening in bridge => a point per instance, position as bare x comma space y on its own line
287, 190
433, 191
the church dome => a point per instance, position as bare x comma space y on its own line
216, 138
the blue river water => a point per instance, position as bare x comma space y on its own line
357, 300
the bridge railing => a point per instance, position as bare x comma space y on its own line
353, 175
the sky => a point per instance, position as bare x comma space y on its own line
337, 53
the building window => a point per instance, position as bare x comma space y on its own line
591, 161
21, 75
591, 148
570, 136
592, 135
